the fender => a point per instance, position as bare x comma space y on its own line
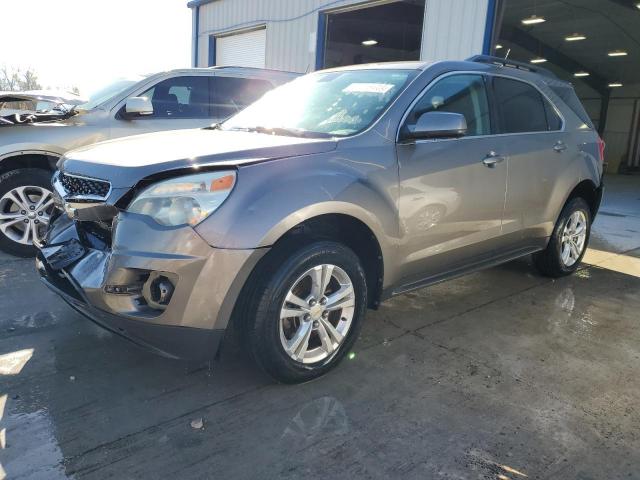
271, 198
53, 139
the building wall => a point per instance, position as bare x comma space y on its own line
291, 28
453, 29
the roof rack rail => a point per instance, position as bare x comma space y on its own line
511, 63
257, 69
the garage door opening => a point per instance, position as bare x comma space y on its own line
594, 44
245, 49
381, 33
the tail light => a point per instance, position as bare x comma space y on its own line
601, 146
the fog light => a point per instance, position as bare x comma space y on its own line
161, 290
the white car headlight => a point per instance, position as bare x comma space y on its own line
185, 200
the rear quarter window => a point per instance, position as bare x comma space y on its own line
554, 121
568, 96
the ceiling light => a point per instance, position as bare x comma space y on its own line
533, 20
574, 37
617, 53
638, 5
498, 47
615, 85
538, 60
581, 74
369, 43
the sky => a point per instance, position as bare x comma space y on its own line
87, 43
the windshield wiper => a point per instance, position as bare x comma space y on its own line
288, 132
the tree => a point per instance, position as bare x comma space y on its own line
15, 79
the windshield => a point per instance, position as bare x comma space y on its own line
105, 93
323, 104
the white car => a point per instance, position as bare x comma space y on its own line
31, 143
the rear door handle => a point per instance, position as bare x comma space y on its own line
492, 159
560, 146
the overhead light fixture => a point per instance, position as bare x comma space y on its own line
615, 85
638, 5
575, 37
498, 46
617, 53
369, 43
533, 20
538, 60
581, 74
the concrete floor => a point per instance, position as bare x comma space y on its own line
502, 374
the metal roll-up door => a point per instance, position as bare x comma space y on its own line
245, 49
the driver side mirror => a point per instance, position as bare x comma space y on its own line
437, 125
137, 107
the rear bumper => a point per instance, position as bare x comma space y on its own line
206, 281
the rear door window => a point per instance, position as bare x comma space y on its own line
232, 94
522, 108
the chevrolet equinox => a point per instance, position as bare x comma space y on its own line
327, 196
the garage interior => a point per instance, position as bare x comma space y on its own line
594, 44
379, 33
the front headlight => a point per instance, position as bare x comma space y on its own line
184, 200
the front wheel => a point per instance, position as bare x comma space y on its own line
306, 310
568, 242
26, 203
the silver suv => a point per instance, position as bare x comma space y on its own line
30, 145
327, 196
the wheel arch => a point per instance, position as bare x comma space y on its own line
347, 230
41, 159
590, 192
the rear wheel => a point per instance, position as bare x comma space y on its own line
306, 310
568, 242
26, 204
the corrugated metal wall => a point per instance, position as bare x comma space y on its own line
454, 29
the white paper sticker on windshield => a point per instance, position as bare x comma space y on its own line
380, 88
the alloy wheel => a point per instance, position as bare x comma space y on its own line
25, 213
574, 237
317, 313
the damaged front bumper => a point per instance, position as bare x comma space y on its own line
164, 288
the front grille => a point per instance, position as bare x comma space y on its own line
74, 186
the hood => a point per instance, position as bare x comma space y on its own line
124, 162
52, 96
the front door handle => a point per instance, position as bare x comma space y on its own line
560, 146
492, 159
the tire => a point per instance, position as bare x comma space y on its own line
551, 262
37, 182
283, 273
